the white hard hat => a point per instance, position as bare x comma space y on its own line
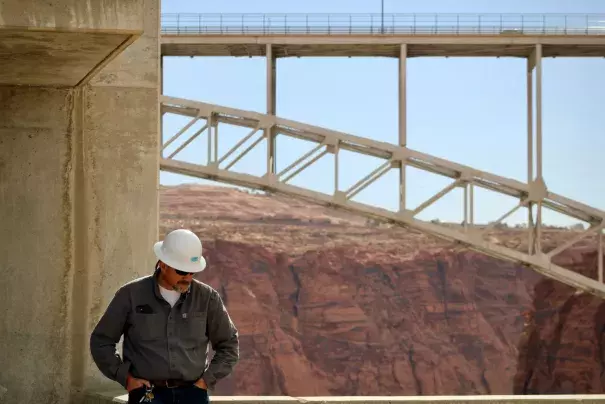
182, 250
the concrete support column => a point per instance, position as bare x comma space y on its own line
403, 54
271, 107
530, 121
535, 179
538, 62
530, 147
78, 189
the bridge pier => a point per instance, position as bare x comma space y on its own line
403, 55
271, 107
78, 182
534, 154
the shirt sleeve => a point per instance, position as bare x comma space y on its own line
223, 336
107, 334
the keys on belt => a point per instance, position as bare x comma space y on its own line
148, 397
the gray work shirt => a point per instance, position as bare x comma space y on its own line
163, 342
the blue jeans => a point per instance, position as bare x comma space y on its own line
176, 395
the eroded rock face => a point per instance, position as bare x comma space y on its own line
347, 322
562, 349
329, 304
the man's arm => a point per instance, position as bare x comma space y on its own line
107, 334
223, 336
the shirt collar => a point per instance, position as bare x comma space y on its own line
156, 287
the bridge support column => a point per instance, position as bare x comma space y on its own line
536, 183
271, 108
78, 187
403, 54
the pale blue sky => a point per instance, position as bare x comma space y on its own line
471, 111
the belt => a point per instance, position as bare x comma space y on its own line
171, 383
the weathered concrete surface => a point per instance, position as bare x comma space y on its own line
35, 247
121, 132
78, 200
75, 14
108, 397
120, 72
51, 58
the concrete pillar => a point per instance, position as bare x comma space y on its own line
271, 107
535, 179
530, 146
271, 80
538, 62
78, 185
530, 120
402, 121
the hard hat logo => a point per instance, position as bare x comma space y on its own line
182, 250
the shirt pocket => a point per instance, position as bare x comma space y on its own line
192, 327
148, 326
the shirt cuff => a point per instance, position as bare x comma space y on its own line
209, 379
122, 374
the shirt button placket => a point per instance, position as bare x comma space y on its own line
171, 336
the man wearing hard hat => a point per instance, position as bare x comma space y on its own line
167, 320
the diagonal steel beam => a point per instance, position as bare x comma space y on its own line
300, 160
304, 166
532, 193
368, 180
540, 263
180, 132
238, 144
243, 153
576, 239
435, 197
186, 143
385, 150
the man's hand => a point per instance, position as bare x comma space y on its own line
134, 383
201, 384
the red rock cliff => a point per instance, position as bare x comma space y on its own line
331, 304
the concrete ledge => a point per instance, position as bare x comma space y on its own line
57, 58
111, 397
382, 46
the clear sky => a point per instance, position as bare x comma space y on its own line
469, 110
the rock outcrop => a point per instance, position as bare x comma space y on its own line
562, 349
330, 304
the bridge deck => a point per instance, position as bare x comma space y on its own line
513, 45
301, 35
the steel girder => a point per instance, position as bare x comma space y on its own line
329, 141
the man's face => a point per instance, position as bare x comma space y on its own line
178, 280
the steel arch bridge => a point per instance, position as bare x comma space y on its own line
404, 36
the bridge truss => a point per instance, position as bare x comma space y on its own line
266, 127
401, 37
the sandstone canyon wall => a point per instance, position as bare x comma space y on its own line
331, 304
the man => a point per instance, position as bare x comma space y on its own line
167, 320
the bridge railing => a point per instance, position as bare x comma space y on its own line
383, 24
